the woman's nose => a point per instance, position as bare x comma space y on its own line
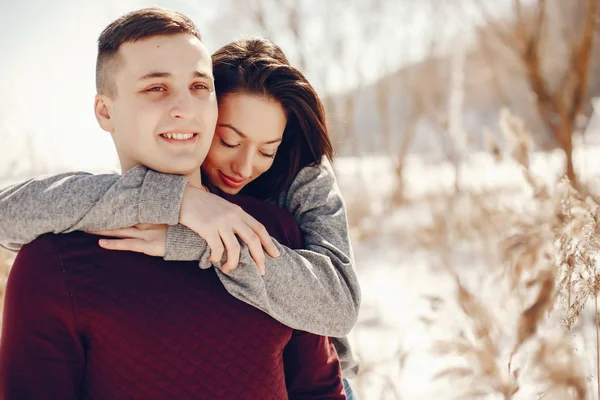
243, 165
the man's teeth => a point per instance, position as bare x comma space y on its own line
178, 136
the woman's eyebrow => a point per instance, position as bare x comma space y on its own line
244, 136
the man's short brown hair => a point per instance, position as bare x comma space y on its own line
131, 27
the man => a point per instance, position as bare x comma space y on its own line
83, 322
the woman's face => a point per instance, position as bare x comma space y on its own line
249, 131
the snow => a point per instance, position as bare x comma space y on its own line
397, 274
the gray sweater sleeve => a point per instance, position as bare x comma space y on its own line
82, 201
315, 289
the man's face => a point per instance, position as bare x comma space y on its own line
164, 112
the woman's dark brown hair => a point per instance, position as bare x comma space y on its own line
259, 67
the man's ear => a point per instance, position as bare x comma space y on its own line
103, 112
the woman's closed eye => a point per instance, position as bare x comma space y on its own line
268, 155
231, 146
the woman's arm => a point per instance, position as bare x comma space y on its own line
82, 201
316, 289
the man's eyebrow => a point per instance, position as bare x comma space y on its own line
201, 74
155, 74
233, 128
158, 74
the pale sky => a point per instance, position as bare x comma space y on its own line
48, 59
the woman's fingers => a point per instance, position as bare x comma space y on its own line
152, 248
119, 233
265, 239
148, 239
136, 245
216, 248
232, 247
249, 237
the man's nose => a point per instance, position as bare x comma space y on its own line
183, 107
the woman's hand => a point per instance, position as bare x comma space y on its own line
149, 239
219, 222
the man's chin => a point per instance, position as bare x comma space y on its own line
184, 170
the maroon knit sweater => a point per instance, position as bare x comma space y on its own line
81, 322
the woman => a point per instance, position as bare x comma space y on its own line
271, 142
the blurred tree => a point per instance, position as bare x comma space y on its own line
320, 45
553, 43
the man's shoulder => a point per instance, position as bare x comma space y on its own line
61, 247
79, 254
62, 242
39, 249
37, 261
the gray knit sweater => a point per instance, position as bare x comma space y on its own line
314, 290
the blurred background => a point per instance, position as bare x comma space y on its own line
467, 150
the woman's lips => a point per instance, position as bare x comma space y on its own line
231, 182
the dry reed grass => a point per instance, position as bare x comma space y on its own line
547, 259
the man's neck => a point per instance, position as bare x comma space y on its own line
194, 179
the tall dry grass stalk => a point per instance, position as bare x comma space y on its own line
476, 343
482, 344
547, 260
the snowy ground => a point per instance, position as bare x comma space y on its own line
397, 275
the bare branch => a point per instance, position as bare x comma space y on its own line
488, 54
506, 35
520, 28
541, 19
581, 59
